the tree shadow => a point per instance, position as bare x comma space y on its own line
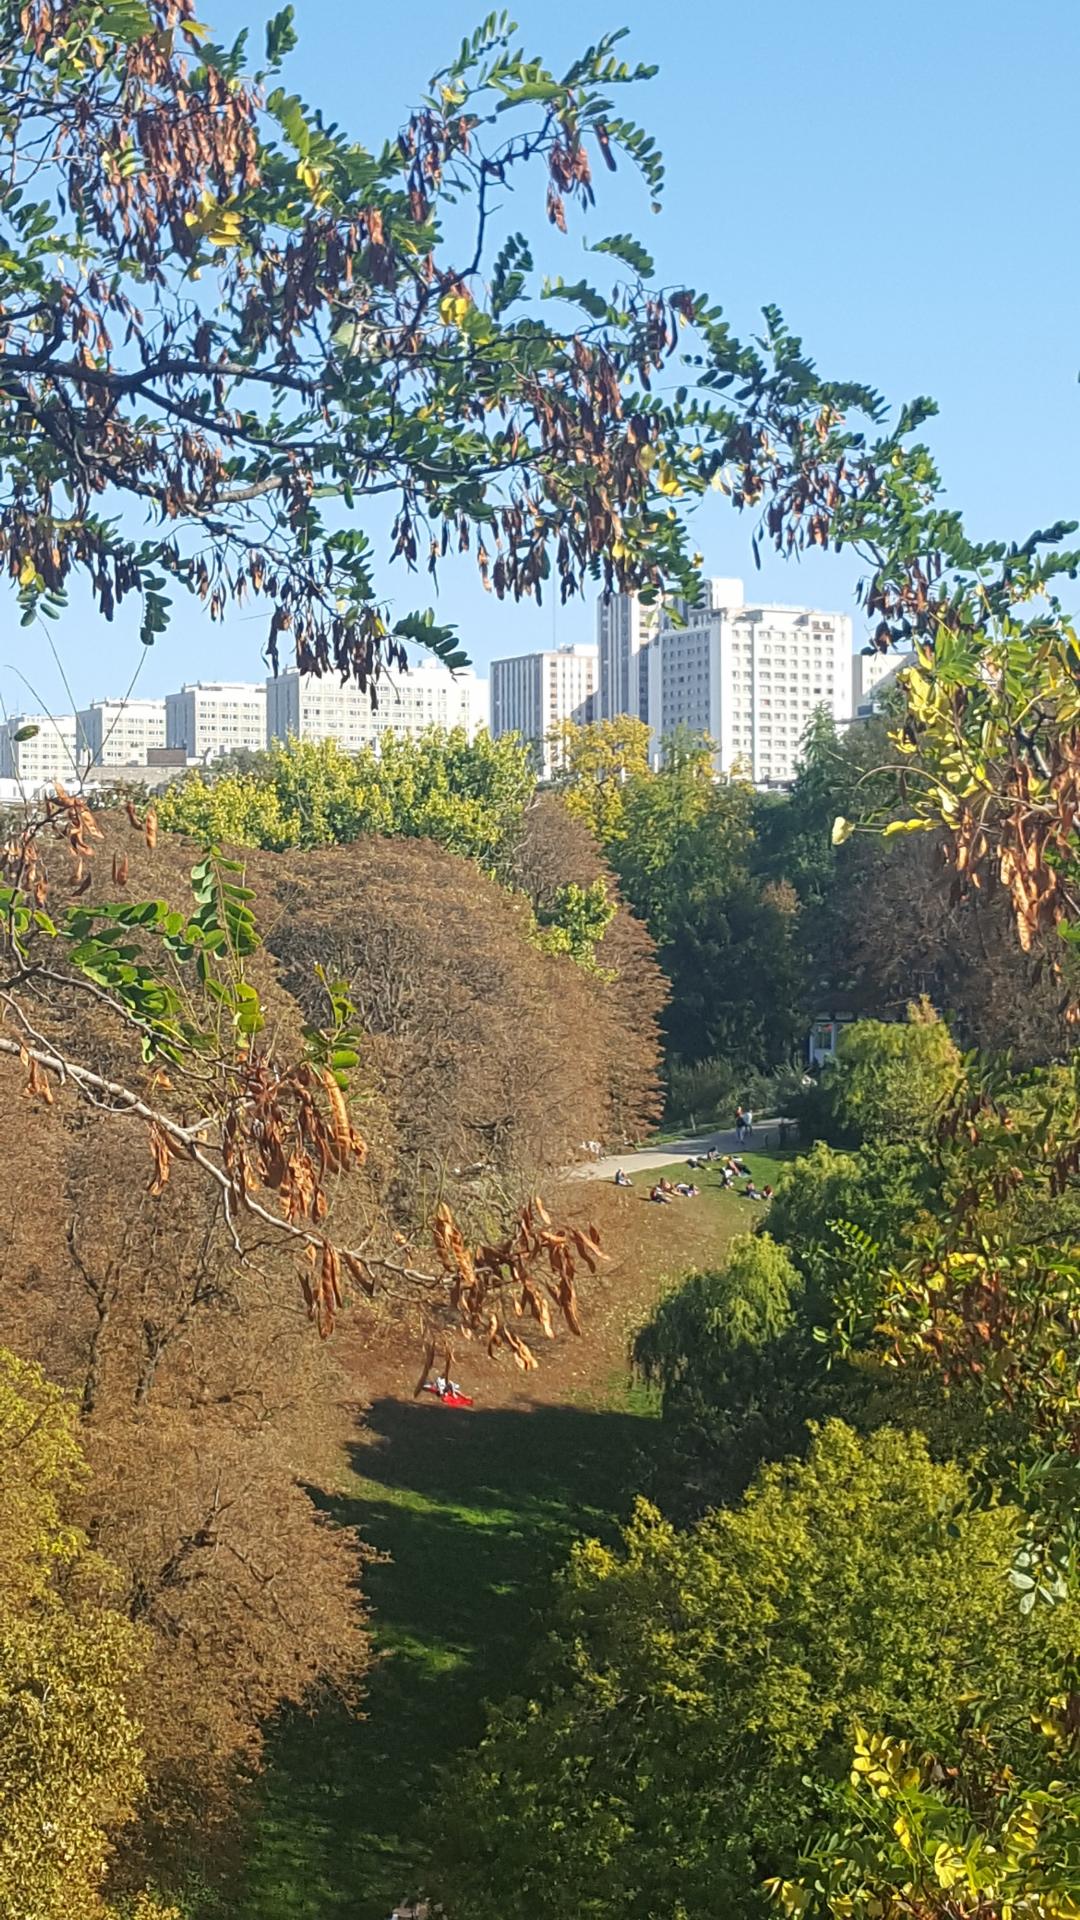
475, 1511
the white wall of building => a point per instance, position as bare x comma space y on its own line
311, 708
119, 733
623, 630
49, 755
624, 633
532, 693
871, 675
207, 718
751, 677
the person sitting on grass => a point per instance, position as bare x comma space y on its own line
751, 1192
622, 1179
688, 1192
662, 1199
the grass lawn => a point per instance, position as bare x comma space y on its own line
474, 1512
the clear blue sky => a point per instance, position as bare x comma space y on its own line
900, 179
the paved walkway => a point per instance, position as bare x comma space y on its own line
647, 1159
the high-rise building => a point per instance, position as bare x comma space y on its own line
311, 708
119, 733
624, 632
47, 755
532, 693
750, 677
871, 675
207, 718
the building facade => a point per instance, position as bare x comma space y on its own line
533, 693
872, 674
207, 718
304, 707
120, 733
624, 629
750, 677
48, 755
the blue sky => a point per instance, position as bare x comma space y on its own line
900, 180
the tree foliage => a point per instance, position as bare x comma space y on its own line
888, 1082
723, 1348
911, 1840
70, 1762
467, 795
683, 846
340, 346
697, 1680
595, 762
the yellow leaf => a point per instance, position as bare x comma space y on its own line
667, 481
841, 830
453, 308
27, 571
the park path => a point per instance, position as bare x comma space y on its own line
646, 1159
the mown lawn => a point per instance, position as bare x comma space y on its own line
474, 1512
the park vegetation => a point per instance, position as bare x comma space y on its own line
256, 1091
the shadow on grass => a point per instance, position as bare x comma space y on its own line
476, 1511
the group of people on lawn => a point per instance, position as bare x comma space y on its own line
732, 1168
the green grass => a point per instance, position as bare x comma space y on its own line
475, 1512
714, 1197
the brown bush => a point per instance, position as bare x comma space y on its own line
557, 848
208, 1406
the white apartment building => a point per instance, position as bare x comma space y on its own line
207, 718
750, 677
48, 755
623, 631
532, 693
120, 733
312, 708
871, 676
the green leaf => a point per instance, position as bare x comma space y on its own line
281, 36
630, 251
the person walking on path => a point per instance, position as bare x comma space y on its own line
740, 1123
748, 1123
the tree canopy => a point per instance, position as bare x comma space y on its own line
697, 1679
468, 795
70, 1762
889, 1081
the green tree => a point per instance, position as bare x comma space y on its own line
888, 1082
468, 795
682, 845
685, 836
70, 1772
733, 1364
575, 920
905, 1838
595, 763
698, 1679
882, 1192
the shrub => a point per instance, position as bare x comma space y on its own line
698, 1680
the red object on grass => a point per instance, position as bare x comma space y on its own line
449, 1399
